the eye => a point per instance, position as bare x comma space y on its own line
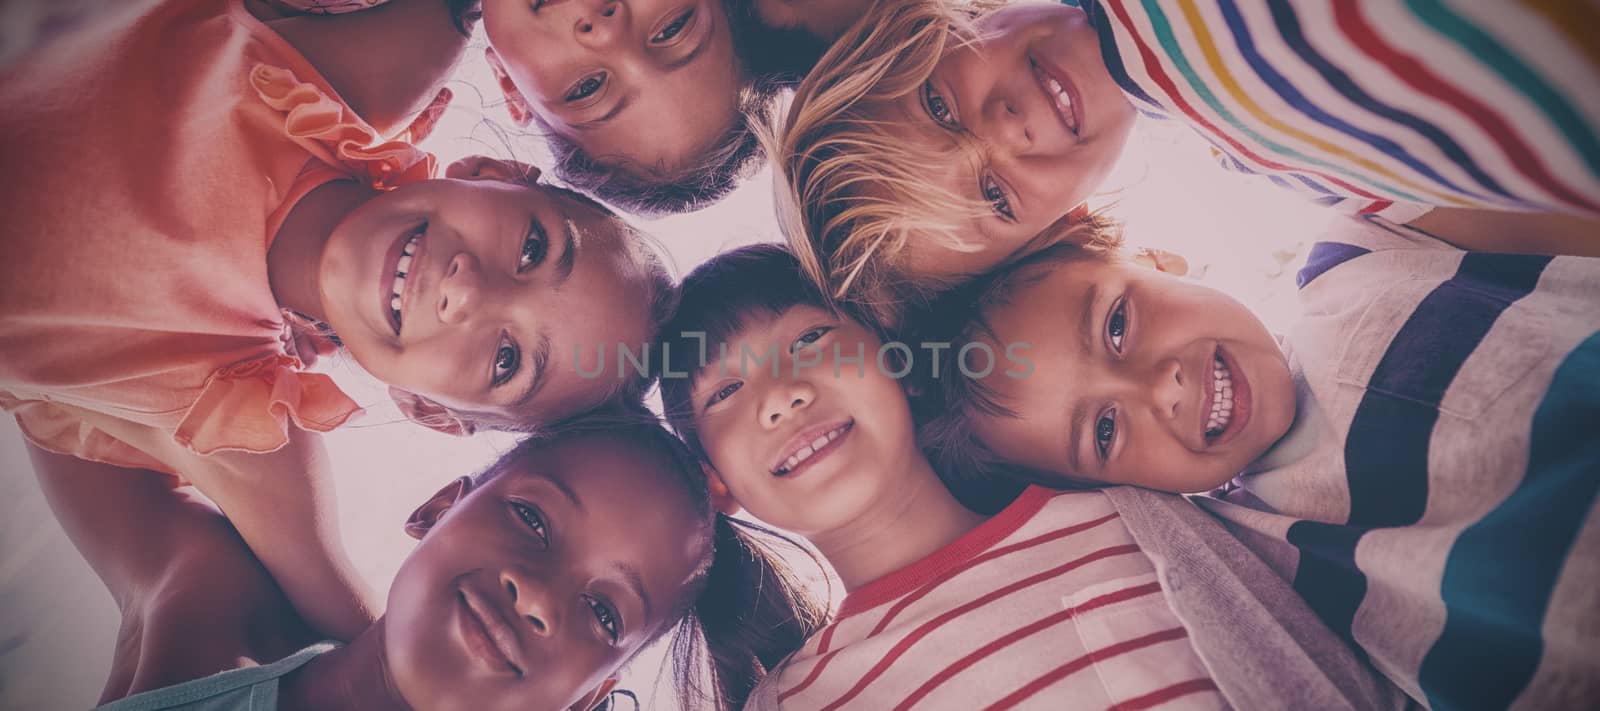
534, 521
673, 29
1105, 432
586, 87
506, 359
938, 109
606, 616
996, 196
809, 337
1117, 324
534, 247
724, 393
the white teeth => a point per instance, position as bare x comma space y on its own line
1221, 399
404, 265
402, 268
806, 451
819, 442
394, 303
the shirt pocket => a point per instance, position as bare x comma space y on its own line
1135, 645
1455, 346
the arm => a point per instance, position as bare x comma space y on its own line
194, 601
282, 504
1517, 232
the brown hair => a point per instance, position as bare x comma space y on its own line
946, 401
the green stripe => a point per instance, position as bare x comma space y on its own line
1515, 73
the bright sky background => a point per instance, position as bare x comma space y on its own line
57, 623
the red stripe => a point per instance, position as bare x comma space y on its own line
1160, 78
1374, 208
1415, 73
927, 628
1022, 632
1002, 551
1099, 655
816, 671
846, 612
1161, 696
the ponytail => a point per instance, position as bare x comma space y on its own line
753, 613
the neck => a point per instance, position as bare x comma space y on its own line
295, 259
897, 530
354, 677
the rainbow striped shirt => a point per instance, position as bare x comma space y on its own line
1381, 107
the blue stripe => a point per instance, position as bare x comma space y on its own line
1325, 256
1289, 28
1096, 13
1386, 448
1503, 569
1293, 97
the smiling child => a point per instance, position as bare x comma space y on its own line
1090, 598
1416, 455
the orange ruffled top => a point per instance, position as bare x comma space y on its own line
146, 169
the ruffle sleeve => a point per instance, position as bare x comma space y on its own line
330, 131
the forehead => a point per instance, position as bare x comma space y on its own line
672, 117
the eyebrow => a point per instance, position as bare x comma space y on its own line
540, 356
1075, 436
635, 582
1086, 321
569, 251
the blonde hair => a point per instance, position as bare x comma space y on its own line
850, 191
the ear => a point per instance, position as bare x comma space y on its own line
721, 500
592, 700
1161, 260
430, 414
429, 513
486, 168
516, 103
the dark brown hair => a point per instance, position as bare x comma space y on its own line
745, 610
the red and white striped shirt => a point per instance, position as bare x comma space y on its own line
1049, 604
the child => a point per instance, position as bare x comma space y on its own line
1075, 599
533, 584
194, 213
926, 147
1418, 454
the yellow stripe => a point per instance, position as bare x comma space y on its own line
1214, 60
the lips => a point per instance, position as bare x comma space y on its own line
1060, 93
1228, 400
487, 634
397, 268
810, 445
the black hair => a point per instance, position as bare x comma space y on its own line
745, 610
717, 300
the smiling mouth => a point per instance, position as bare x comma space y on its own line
1230, 400
822, 443
486, 633
398, 277
1061, 93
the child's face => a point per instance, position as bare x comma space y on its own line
528, 592
501, 281
807, 451
652, 81
1139, 378
1044, 150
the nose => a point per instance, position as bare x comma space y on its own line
784, 400
460, 289
601, 24
531, 601
1167, 389
1005, 124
